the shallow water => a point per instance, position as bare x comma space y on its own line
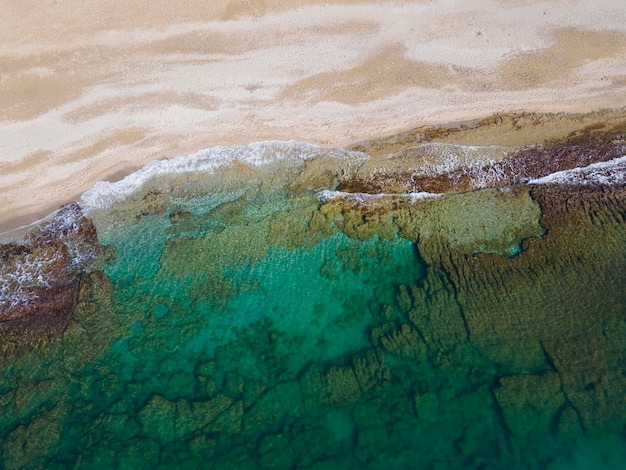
243, 319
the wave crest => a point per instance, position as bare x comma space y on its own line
103, 195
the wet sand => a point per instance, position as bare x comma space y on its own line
91, 92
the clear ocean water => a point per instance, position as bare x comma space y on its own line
242, 318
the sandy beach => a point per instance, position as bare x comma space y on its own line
92, 91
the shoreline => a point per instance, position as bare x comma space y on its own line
125, 85
63, 195
428, 172
514, 130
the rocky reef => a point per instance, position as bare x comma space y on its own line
40, 278
368, 326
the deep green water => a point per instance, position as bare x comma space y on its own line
264, 328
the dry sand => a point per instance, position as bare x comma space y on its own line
92, 90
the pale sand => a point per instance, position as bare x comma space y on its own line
93, 90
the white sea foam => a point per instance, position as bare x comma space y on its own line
21, 275
478, 162
609, 173
103, 195
327, 195
439, 158
17, 280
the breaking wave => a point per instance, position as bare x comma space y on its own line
104, 194
327, 195
610, 173
434, 159
484, 166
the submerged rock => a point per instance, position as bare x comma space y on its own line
40, 279
268, 327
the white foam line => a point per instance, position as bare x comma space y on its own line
437, 158
104, 195
612, 172
326, 195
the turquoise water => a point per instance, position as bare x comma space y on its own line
265, 328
